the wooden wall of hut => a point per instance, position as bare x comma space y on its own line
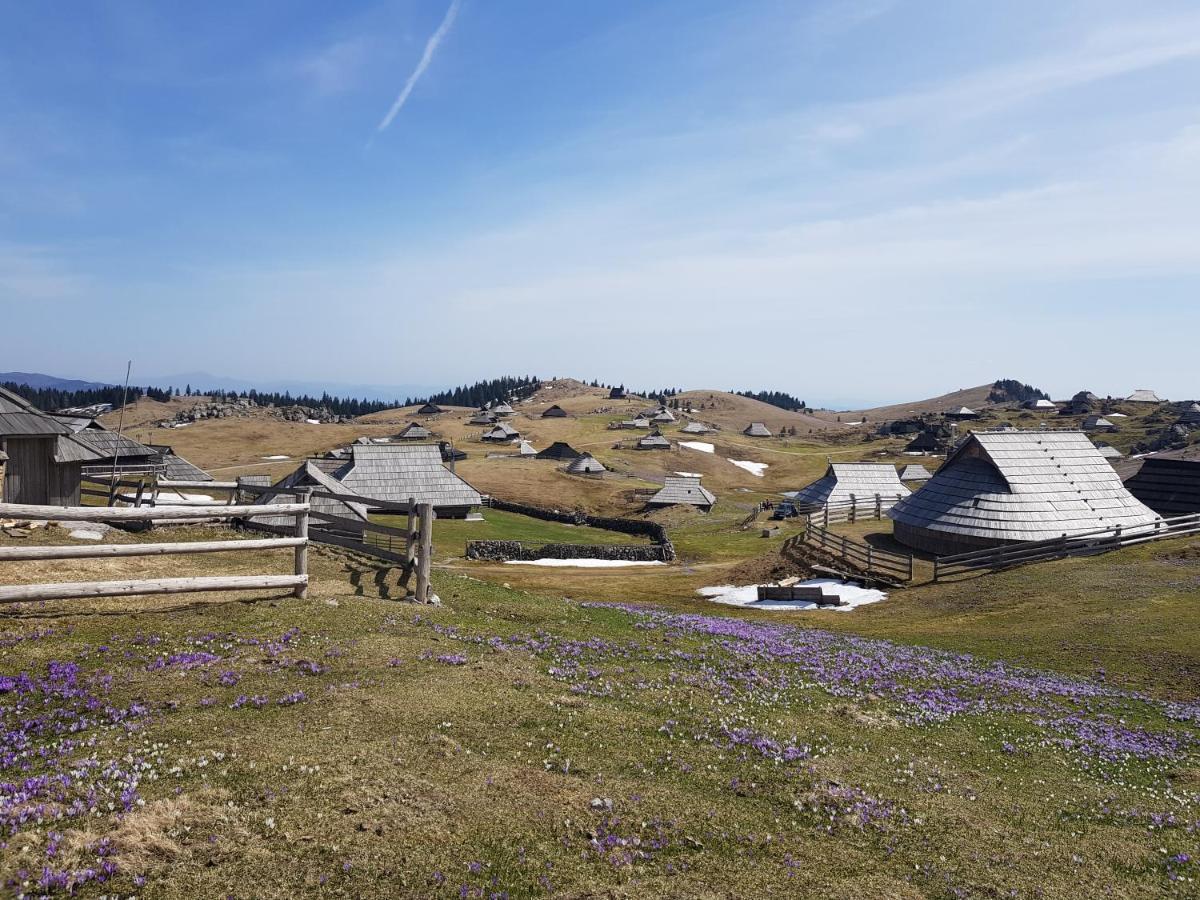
32, 476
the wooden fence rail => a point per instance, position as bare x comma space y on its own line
298, 542
872, 561
1101, 540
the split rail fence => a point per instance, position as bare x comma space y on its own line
1089, 543
856, 509
296, 541
875, 563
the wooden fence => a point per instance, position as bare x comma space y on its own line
856, 509
1092, 542
881, 565
297, 541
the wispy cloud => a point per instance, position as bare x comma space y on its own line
426, 58
336, 68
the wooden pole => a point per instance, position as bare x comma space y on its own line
23, 512
79, 590
425, 513
17, 553
302, 496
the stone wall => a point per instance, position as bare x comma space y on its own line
500, 551
639, 527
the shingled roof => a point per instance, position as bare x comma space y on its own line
697, 428
1170, 487
653, 441
396, 472
559, 450
429, 409
20, 418
586, 464
860, 480
176, 468
310, 474
414, 431
1005, 487
501, 432
1142, 395
555, 412
756, 429
1098, 423
683, 490
915, 472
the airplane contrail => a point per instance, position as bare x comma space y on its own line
426, 58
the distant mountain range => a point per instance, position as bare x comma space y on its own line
203, 381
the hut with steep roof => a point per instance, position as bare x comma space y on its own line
1143, 395
1170, 487
502, 409
414, 431
430, 409
1081, 404
526, 451
858, 481
962, 414
501, 433
617, 393
1000, 488
176, 468
697, 428
915, 472
1098, 423
1041, 404
586, 464
933, 440
663, 416
683, 490
555, 412
351, 516
559, 450
653, 441
482, 417
756, 429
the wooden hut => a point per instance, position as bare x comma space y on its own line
858, 481
1041, 404
1143, 395
393, 473
637, 422
526, 451
176, 468
962, 414
350, 516
560, 451
617, 393
502, 433
756, 429
586, 464
1082, 404
44, 461
1098, 423
915, 472
482, 417
683, 490
1190, 416
555, 412
653, 441
663, 416
502, 409
430, 409
414, 431
934, 440
1170, 487
697, 428
1006, 487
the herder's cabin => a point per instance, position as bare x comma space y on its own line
1098, 423
526, 451
962, 414
392, 473
430, 409
502, 409
683, 490
502, 433
586, 465
697, 428
559, 451
483, 417
915, 472
555, 412
756, 429
860, 481
414, 432
1142, 395
1040, 405
663, 417
1007, 487
653, 441
617, 393
931, 441
1170, 487
1190, 416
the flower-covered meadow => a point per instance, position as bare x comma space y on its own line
511, 745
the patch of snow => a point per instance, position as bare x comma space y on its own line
581, 563
702, 446
313, 421
276, 456
178, 498
754, 468
852, 594
1117, 416
689, 474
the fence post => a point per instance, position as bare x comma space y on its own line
1117, 536
825, 524
853, 508
910, 566
410, 543
936, 574
304, 495
137, 500
425, 513
879, 506
870, 560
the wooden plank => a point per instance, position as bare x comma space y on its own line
80, 590
198, 485
337, 540
145, 514
108, 551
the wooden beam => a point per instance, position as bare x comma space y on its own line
21, 511
424, 551
80, 590
301, 591
107, 551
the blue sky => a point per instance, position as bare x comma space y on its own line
856, 202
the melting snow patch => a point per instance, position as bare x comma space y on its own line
702, 446
851, 594
178, 498
754, 468
581, 563
689, 474
277, 456
313, 421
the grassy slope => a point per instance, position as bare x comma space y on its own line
401, 775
